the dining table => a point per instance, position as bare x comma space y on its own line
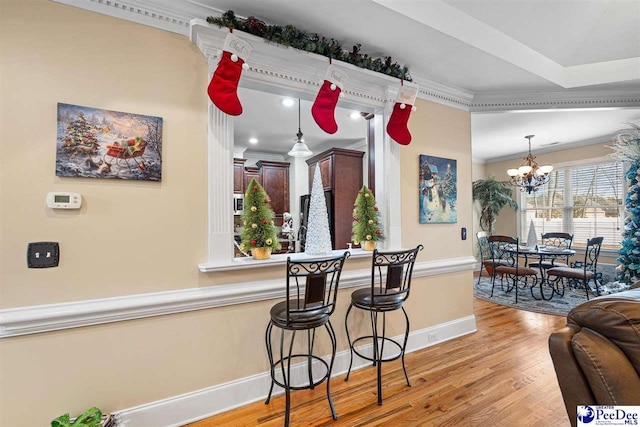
543, 253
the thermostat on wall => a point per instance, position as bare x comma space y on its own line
64, 200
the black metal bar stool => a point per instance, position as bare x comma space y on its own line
390, 284
312, 288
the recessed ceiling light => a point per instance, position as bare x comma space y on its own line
355, 115
288, 102
253, 140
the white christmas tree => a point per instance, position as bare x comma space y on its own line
318, 233
532, 238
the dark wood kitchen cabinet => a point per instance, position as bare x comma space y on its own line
274, 177
251, 172
341, 171
238, 176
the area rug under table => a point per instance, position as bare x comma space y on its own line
558, 305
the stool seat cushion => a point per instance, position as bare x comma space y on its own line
362, 299
574, 273
521, 271
309, 318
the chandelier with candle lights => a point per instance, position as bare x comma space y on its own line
530, 175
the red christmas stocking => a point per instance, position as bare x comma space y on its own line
223, 88
325, 104
397, 126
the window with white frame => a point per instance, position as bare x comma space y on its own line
586, 200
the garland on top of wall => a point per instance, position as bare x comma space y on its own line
289, 35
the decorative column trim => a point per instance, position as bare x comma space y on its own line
54, 317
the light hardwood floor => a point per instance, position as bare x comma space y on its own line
502, 375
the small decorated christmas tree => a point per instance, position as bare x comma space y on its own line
259, 234
367, 228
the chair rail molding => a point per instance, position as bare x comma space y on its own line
53, 317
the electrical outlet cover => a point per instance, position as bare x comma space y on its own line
43, 254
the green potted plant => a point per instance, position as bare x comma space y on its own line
493, 195
259, 234
90, 418
366, 228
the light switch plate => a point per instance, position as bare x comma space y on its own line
43, 254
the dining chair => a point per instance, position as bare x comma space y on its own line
485, 253
506, 257
312, 288
582, 274
555, 240
487, 261
391, 274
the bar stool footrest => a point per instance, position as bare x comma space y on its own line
370, 358
276, 367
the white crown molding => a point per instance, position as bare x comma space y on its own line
141, 12
574, 99
200, 404
54, 317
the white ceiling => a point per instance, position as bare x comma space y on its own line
581, 52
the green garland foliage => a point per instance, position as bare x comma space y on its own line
259, 230
366, 218
288, 35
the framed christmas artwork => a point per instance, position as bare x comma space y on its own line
438, 192
97, 143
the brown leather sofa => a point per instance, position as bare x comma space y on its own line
597, 355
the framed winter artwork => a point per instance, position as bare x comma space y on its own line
438, 193
96, 143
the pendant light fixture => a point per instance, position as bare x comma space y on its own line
530, 175
299, 149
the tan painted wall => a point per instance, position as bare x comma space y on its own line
137, 237
506, 223
478, 171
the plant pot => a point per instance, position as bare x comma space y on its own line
368, 245
261, 253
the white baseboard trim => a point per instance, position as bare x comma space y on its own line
53, 317
189, 407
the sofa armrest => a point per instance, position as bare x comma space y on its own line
612, 379
573, 384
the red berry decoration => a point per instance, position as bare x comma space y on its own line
267, 201
255, 188
264, 221
378, 232
253, 242
375, 208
